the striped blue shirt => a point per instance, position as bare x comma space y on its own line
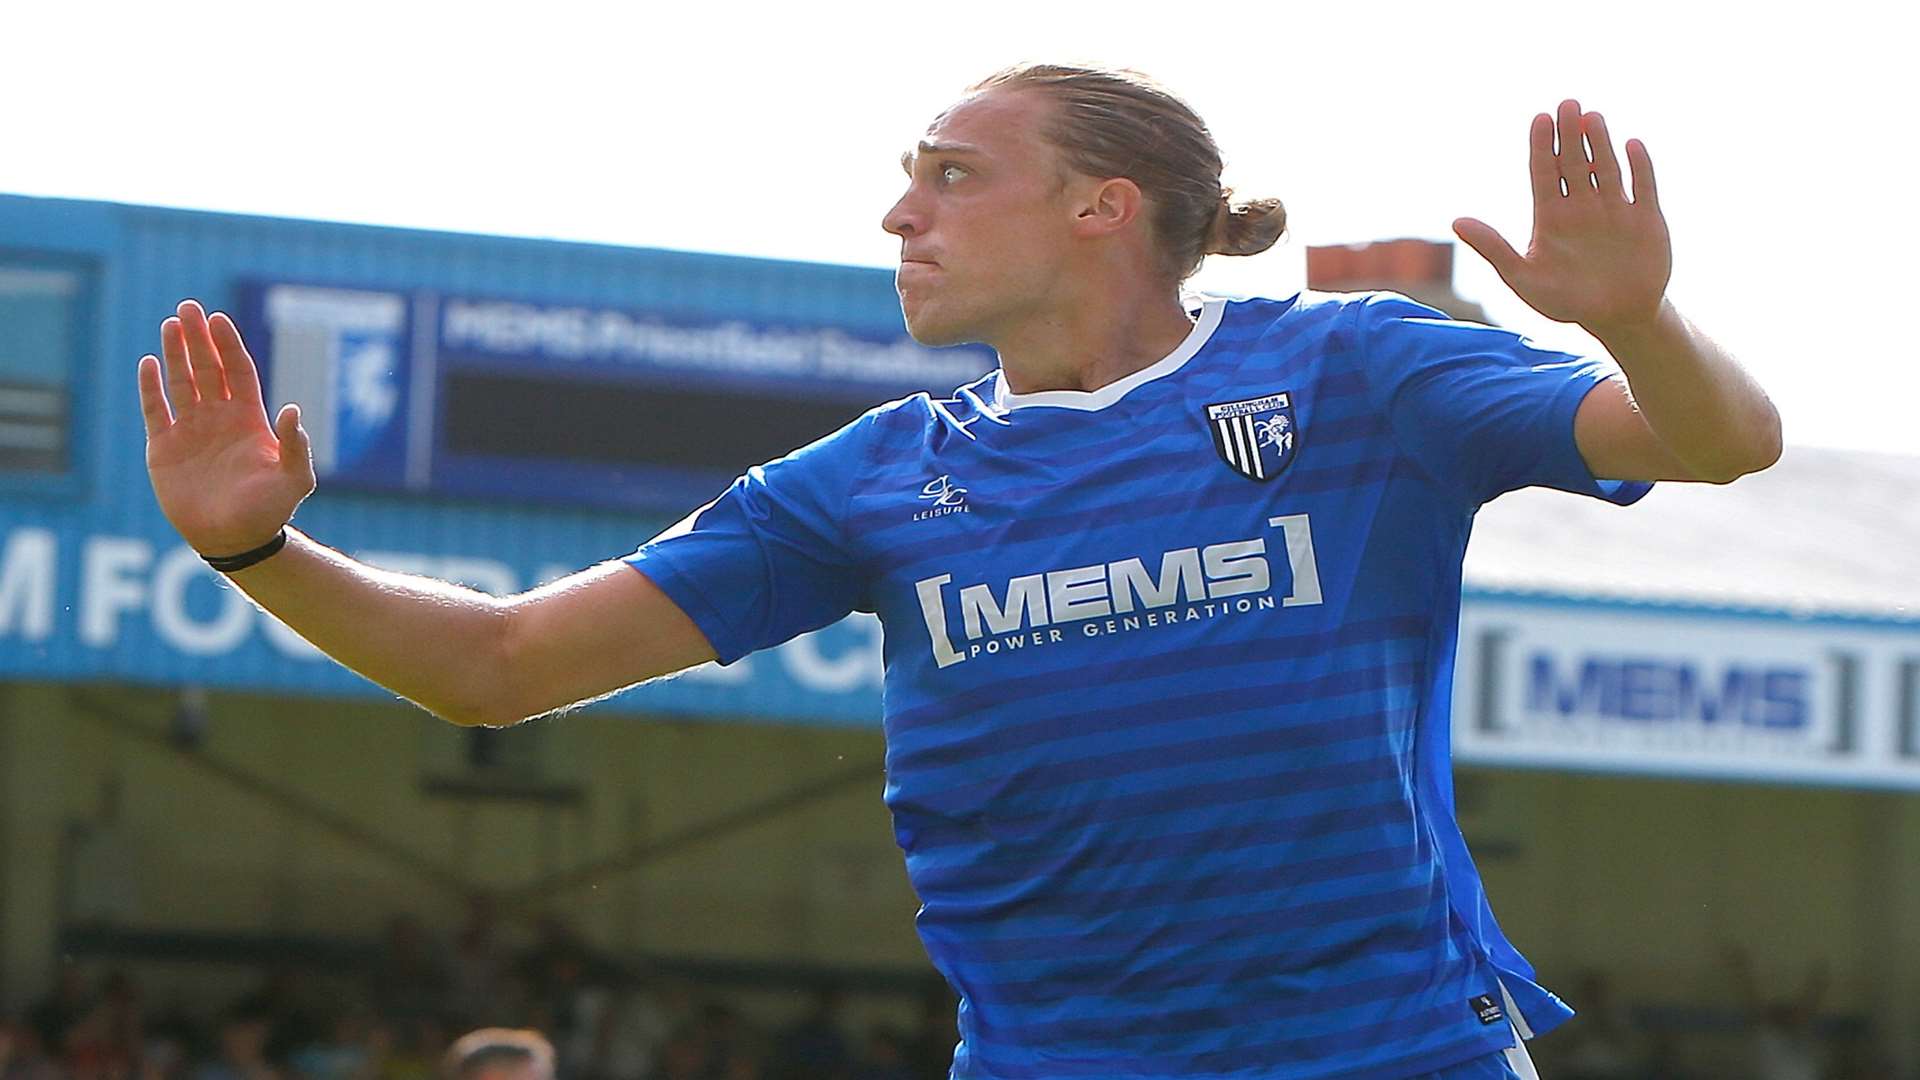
1168, 674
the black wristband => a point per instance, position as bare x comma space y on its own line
227, 564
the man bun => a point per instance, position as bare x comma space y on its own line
1245, 228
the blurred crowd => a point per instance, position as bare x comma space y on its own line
397, 1016
1750, 1031
396, 1020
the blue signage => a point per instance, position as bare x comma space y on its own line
147, 609
453, 395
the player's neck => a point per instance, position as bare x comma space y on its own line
1087, 345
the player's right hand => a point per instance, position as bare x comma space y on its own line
225, 477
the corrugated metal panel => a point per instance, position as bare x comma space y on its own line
1823, 532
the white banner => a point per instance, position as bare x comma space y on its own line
1687, 692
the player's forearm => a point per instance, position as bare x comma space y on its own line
436, 644
1703, 406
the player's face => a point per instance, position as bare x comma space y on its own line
983, 226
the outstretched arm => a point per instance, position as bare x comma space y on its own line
1686, 410
470, 658
229, 480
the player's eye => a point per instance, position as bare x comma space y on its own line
951, 173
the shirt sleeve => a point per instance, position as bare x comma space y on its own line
767, 560
1480, 410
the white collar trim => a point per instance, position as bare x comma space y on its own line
1093, 400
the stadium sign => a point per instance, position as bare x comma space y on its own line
127, 608
1688, 692
655, 408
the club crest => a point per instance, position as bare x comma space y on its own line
1255, 437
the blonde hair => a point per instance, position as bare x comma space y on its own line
1112, 122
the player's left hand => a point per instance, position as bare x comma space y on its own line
1596, 258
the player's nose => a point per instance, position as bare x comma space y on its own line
906, 218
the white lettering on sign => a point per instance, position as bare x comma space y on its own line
27, 573
632, 339
229, 626
195, 612
112, 583
859, 665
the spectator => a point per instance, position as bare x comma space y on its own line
554, 941
418, 1050
409, 976
125, 1018
1785, 1046
814, 1048
630, 1027
52, 1015
1599, 1044
886, 1056
282, 997
242, 1053
91, 1049
731, 1048
22, 1055
478, 967
499, 1054
345, 1053
574, 1012
684, 1057
167, 1048
382, 1044
1664, 1059
930, 1053
1859, 1054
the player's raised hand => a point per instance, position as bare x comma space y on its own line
1597, 258
225, 477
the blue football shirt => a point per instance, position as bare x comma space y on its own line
1168, 677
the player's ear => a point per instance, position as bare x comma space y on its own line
1108, 206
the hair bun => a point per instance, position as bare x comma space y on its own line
1246, 228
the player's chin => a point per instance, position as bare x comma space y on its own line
931, 327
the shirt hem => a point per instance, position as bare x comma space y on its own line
658, 568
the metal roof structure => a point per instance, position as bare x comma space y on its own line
1822, 532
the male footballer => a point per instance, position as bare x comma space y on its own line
1170, 598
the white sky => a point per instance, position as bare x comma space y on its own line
1786, 169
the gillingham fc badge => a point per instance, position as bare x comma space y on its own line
1256, 437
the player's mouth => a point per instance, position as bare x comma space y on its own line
914, 271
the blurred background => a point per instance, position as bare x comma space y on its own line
543, 281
